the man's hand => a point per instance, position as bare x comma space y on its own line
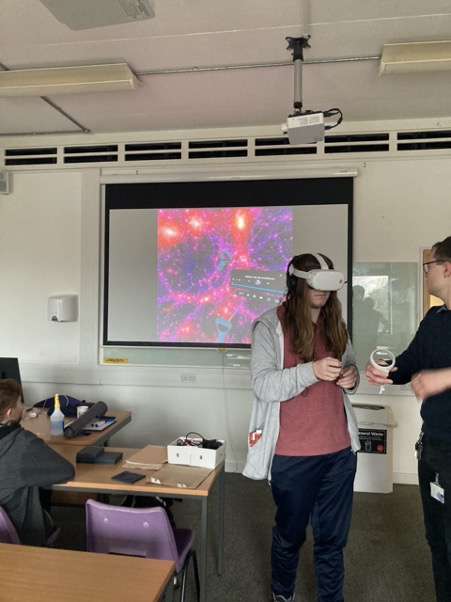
377, 377
431, 382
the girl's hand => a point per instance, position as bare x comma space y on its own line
327, 368
348, 377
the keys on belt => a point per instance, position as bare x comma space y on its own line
419, 446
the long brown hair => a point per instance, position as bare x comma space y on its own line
297, 319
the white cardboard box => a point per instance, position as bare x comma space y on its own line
191, 455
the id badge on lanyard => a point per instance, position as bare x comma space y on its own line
437, 491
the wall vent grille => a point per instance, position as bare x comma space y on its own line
31, 156
106, 153
423, 141
153, 151
217, 149
272, 147
357, 143
252, 148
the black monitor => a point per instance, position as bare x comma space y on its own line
9, 368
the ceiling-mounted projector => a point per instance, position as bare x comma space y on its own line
305, 127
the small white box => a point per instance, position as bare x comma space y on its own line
192, 455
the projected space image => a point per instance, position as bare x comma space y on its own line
218, 269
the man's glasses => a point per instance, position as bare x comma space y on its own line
428, 264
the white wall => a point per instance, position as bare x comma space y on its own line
40, 230
50, 243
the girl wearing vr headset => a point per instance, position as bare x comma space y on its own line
302, 366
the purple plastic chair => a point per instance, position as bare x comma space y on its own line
144, 532
8, 533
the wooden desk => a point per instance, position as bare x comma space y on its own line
40, 426
96, 478
31, 574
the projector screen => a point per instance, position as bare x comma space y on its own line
194, 263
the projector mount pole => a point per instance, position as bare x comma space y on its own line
297, 45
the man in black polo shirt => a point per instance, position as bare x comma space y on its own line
426, 363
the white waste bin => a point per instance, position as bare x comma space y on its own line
375, 458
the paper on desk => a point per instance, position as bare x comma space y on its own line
150, 457
174, 475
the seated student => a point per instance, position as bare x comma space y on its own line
26, 464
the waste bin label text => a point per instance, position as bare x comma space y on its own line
373, 441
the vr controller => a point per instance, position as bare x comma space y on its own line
384, 355
387, 357
323, 279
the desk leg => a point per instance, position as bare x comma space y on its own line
203, 542
221, 521
203, 551
168, 592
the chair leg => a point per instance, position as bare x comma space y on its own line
52, 537
196, 574
183, 585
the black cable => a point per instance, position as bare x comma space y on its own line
201, 441
332, 113
188, 441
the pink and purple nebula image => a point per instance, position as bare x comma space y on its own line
197, 251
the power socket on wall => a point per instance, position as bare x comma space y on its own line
188, 378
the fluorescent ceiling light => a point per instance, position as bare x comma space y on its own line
415, 57
66, 80
85, 14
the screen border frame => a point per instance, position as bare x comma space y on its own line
313, 191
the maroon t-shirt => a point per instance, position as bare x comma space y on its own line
314, 422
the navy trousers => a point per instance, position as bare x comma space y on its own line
317, 489
436, 459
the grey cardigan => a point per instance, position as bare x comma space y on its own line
272, 384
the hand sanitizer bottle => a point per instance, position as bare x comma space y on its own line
57, 418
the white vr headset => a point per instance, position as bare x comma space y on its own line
323, 279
